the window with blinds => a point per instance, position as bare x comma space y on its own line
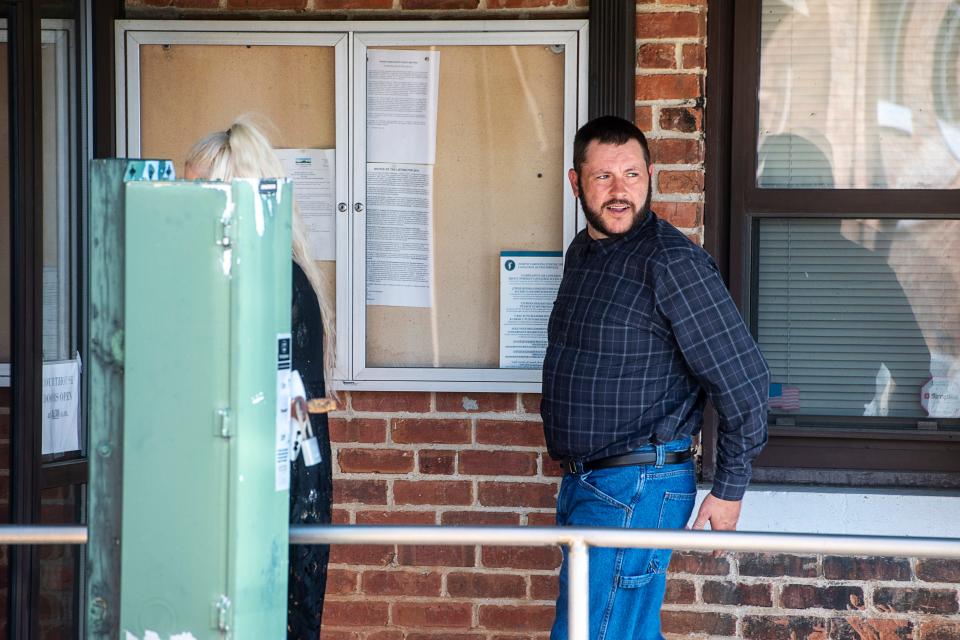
860, 317
859, 95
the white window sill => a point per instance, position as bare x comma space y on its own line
846, 510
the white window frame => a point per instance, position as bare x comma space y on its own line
350, 39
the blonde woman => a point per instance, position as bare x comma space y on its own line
243, 151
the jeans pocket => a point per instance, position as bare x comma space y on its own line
676, 509
641, 565
616, 486
636, 572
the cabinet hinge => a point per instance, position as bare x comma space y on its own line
221, 611
224, 423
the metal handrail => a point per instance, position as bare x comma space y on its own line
42, 534
578, 540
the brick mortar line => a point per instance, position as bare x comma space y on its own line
780, 611
443, 570
819, 581
668, 102
417, 446
367, 475
658, 167
751, 580
421, 599
668, 8
670, 40
679, 197
656, 133
643, 72
400, 415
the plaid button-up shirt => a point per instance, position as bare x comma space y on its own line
642, 332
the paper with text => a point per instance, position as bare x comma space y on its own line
314, 188
399, 235
402, 93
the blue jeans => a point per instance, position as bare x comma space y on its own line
626, 585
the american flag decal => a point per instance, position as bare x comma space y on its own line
784, 398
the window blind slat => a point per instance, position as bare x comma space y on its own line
857, 315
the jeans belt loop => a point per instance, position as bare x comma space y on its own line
575, 467
661, 454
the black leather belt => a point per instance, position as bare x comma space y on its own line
627, 459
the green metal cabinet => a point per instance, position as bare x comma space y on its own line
188, 422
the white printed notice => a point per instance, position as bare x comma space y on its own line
529, 281
61, 407
281, 452
402, 92
312, 172
399, 235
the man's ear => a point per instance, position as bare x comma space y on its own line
574, 183
650, 170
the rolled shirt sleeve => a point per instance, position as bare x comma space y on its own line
723, 357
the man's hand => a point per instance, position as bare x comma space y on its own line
721, 514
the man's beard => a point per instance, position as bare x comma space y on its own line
596, 220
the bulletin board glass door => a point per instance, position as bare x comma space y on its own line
479, 174
184, 84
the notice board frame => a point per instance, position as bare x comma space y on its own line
349, 37
133, 34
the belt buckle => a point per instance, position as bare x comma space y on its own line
571, 466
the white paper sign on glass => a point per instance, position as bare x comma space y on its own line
402, 93
61, 407
399, 235
529, 281
312, 172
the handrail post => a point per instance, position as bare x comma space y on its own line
578, 589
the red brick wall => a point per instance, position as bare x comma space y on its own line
57, 563
766, 597
445, 458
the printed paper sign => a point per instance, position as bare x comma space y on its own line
312, 174
402, 93
529, 281
61, 407
399, 235
282, 438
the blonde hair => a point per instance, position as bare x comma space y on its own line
243, 151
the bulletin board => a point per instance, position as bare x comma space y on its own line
508, 104
498, 185
190, 90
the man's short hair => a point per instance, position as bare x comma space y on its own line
606, 130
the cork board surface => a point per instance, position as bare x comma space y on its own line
187, 91
498, 185
498, 181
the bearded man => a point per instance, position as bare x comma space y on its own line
642, 333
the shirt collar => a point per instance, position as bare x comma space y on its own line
606, 245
